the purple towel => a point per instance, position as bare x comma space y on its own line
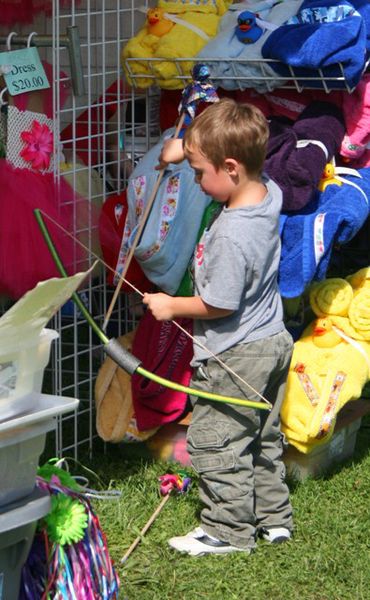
298, 170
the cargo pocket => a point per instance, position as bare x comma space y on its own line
208, 448
213, 459
211, 462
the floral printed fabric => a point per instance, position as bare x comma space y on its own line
30, 145
169, 202
322, 14
169, 237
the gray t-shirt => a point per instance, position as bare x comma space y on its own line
235, 267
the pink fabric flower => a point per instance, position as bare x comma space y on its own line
39, 146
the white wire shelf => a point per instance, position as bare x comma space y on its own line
238, 77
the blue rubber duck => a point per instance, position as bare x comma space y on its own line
247, 31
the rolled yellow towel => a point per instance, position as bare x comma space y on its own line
359, 312
331, 297
360, 279
344, 324
182, 42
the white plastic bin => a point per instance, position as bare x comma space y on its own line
321, 459
22, 368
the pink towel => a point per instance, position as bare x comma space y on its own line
286, 103
356, 110
166, 351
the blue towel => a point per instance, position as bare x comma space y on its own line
363, 7
169, 237
323, 34
332, 217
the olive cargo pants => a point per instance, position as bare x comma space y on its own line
237, 451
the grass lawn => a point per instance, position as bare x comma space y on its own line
328, 559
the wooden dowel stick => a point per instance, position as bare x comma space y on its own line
139, 231
145, 528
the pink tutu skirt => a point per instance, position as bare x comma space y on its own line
24, 11
24, 257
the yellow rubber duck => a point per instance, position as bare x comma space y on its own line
324, 335
158, 25
328, 177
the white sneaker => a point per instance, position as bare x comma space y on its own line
276, 535
198, 542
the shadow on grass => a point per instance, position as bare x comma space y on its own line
111, 461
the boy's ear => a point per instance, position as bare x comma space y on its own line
231, 166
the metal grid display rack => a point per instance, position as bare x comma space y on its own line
83, 43
101, 113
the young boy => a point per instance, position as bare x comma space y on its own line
237, 312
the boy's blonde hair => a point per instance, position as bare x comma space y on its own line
228, 129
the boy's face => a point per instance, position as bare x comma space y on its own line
216, 183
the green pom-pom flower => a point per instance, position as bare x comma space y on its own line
48, 470
67, 521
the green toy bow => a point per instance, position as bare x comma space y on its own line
122, 357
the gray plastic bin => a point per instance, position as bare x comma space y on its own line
17, 528
19, 459
22, 441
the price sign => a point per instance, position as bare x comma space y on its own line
25, 72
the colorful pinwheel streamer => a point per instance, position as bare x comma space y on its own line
171, 483
179, 482
69, 558
198, 91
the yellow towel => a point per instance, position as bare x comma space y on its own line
346, 301
360, 279
217, 7
327, 370
320, 382
331, 297
180, 42
344, 324
143, 46
359, 312
357, 324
